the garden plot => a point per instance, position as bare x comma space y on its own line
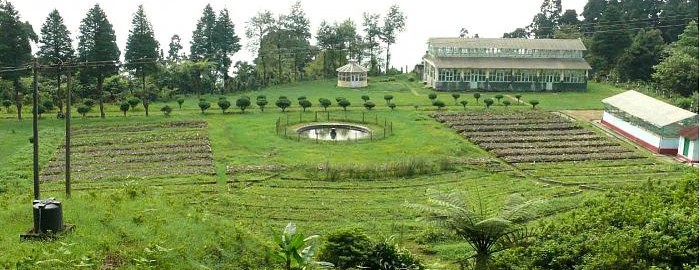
521, 137
117, 152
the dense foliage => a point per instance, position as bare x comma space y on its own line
656, 226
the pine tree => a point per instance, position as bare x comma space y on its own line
174, 48
141, 50
608, 42
226, 42
637, 62
97, 43
15, 50
298, 26
55, 47
203, 44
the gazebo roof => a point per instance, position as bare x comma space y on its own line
352, 67
649, 109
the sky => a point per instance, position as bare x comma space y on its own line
425, 19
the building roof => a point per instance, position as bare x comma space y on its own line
508, 63
352, 67
651, 110
690, 132
510, 43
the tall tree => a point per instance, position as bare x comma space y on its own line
569, 17
174, 49
545, 22
373, 31
678, 71
298, 26
257, 28
98, 43
517, 33
141, 50
55, 47
15, 48
592, 12
394, 23
637, 62
226, 44
203, 44
608, 42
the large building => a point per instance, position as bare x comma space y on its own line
651, 123
505, 64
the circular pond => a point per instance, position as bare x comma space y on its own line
334, 132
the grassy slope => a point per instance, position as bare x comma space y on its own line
133, 224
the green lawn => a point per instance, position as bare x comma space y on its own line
225, 220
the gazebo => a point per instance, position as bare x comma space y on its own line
352, 75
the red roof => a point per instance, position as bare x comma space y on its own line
690, 132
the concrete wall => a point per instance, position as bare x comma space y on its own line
693, 153
645, 138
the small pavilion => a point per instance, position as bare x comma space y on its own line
352, 75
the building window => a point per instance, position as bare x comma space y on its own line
551, 76
498, 75
574, 76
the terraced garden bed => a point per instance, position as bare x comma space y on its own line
520, 137
109, 151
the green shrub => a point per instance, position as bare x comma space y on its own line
518, 96
261, 103
324, 102
464, 104
411, 79
84, 109
166, 110
455, 96
477, 96
346, 248
133, 102
506, 103
392, 106
224, 104
499, 97
301, 98
534, 103
344, 103
369, 105
7, 103
48, 105
180, 101
124, 107
386, 255
388, 98
338, 99
242, 103
439, 104
89, 102
259, 97
204, 105
432, 96
488, 102
365, 98
304, 104
283, 103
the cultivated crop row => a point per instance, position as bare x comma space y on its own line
137, 150
520, 137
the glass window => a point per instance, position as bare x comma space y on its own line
551, 76
498, 75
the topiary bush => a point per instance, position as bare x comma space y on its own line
369, 105
180, 101
304, 104
325, 103
432, 96
365, 98
283, 104
439, 104
344, 103
534, 103
133, 102
488, 102
392, 106
346, 248
261, 103
204, 105
455, 96
243, 103
506, 103
477, 96
464, 104
84, 109
498, 97
224, 104
388, 98
166, 110
124, 107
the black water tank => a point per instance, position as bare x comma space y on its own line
48, 216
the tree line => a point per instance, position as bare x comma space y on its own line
652, 44
282, 45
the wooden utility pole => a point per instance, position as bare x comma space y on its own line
68, 132
35, 129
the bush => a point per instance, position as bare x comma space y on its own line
204, 105
283, 103
301, 98
388, 98
283, 97
392, 106
338, 99
166, 110
488, 102
48, 105
133, 102
242, 103
411, 79
180, 101
534, 103
259, 97
464, 104
324, 102
84, 109
346, 248
89, 102
7, 103
304, 104
498, 97
124, 107
439, 104
477, 96
518, 96
261, 103
224, 104
455, 96
369, 105
365, 98
432, 96
344, 103
506, 103
384, 255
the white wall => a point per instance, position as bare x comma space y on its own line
642, 134
693, 153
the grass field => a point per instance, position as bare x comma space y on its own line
150, 193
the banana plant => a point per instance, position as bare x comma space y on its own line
293, 249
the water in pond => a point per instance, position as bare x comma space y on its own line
334, 133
